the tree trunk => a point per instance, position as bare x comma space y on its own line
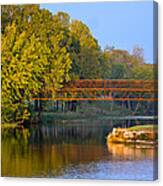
137, 106
62, 107
36, 105
57, 105
129, 105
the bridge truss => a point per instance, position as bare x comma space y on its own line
99, 89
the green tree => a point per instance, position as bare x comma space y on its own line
144, 71
34, 57
118, 64
24, 61
87, 60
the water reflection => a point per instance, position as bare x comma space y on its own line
70, 150
132, 152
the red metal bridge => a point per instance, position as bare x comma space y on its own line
99, 89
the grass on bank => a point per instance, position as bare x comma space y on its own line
143, 127
8, 125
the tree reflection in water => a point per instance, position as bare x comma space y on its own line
49, 150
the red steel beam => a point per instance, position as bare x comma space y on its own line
108, 89
96, 99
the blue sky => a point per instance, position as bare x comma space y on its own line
119, 24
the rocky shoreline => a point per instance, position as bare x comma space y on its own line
128, 136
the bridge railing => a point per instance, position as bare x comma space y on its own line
111, 83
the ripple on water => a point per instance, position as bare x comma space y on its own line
126, 170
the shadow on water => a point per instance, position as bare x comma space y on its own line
72, 149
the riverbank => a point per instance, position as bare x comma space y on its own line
81, 116
84, 110
142, 134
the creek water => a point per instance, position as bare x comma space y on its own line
75, 149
